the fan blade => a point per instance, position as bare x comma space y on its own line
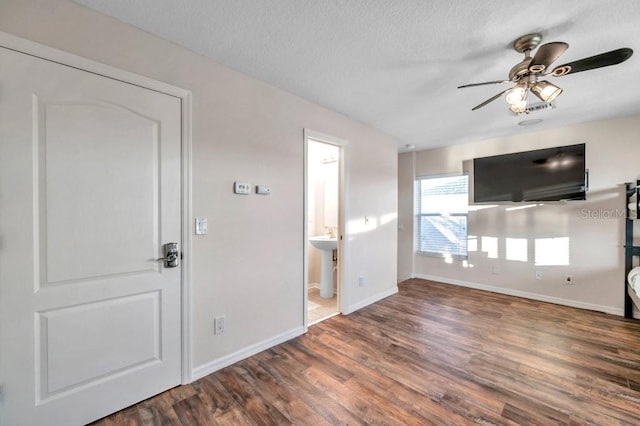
488, 101
546, 55
598, 61
484, 84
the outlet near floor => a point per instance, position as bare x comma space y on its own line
218, 325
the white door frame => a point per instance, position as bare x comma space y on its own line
67, 59
343, 232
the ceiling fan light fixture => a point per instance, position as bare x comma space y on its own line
519, 108
546, 91
516, 95
525, 73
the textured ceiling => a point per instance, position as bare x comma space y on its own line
395, 64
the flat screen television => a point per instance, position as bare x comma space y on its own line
551, 174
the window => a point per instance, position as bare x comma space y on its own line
441, 218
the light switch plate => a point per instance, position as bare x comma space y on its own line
242, 188
201, 226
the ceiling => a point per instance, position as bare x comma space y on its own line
395, 64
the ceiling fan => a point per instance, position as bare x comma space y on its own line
527, 75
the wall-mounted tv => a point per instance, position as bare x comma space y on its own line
551, 174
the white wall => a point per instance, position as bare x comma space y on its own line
250, 265
406, 178
595, 233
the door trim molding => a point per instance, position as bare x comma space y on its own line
70, 60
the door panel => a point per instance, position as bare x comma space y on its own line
90, 178
74, 352
77, 189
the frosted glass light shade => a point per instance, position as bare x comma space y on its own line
519, 108
546, 91
516, 95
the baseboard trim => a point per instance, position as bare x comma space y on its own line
525, 294
405, 277
373, 299
227, 360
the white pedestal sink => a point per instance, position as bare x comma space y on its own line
327, 244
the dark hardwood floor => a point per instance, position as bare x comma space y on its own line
432, 354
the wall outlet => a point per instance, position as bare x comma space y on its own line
538, 275
568, 279
495, 270
360, 281
218, 325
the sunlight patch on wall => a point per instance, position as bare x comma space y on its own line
361, 225
490, 246
472, 243
386, 218
526, 206
552, 251
478, 207
517, 249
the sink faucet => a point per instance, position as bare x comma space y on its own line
330, 232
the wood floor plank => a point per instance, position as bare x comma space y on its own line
286, 401
382, 390
234, 379
213, 395
220, 404
359, 404
191, 411
534, 414
127, 417
431, 354
321, 403
330, 367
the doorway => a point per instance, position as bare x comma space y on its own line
324, 213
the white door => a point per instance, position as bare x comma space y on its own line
90, 184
